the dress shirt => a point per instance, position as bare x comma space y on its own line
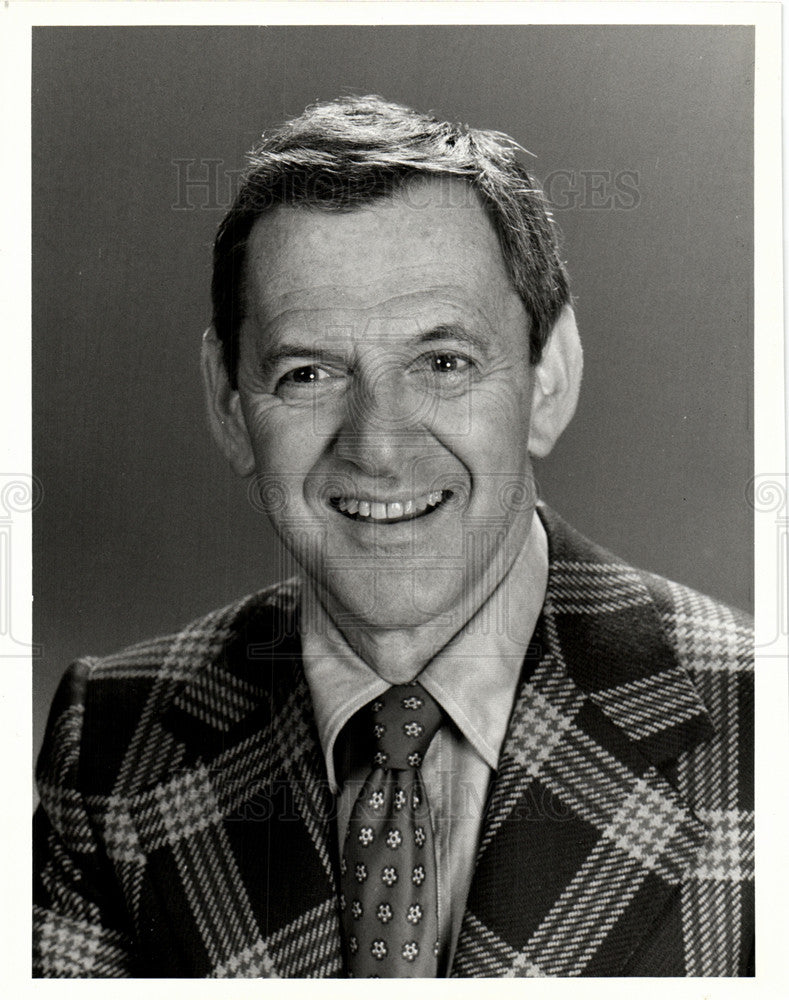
474, 679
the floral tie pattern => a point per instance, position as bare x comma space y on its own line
388, 866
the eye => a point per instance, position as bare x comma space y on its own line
304, 375
448, 363
306, 382
444, 371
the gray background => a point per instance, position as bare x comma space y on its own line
142, 525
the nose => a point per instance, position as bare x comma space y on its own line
380, 428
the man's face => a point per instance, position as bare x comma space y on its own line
385, 385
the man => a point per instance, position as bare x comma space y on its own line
464, 740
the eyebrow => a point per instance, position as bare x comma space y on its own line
294, 349
453, 331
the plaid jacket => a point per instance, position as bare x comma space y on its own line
186, 827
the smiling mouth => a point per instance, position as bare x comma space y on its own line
359, 509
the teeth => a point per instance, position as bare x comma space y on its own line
377, 510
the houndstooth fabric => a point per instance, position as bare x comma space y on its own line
186, 827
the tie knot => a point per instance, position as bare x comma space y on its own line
404, 720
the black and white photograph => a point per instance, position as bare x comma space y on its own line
393, 494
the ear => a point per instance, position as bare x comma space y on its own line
556, 384
223, 403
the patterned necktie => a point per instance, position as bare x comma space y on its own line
388, 868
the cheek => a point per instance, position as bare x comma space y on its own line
283, 438
285, 453
496, 456
498, 424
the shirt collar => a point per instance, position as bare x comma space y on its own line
473, 677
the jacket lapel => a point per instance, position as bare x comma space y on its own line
585, 839
241, 801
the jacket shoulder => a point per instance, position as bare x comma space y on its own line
705, 634
101, 702
177, 657
587, 579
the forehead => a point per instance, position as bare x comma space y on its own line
432, 242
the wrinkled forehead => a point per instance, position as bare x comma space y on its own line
433, 238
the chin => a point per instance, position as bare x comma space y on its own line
398, 599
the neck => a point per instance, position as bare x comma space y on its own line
399, 653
